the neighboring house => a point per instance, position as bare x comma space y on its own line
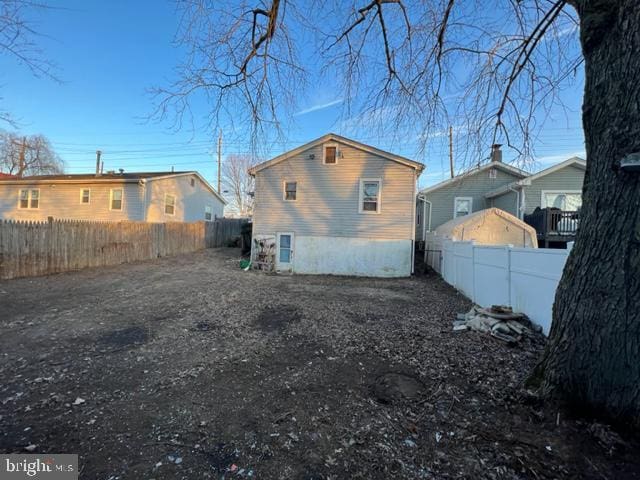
336, 206
462, 194
515, 191
147, 197
558, 187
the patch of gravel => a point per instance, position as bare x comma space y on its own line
191, 368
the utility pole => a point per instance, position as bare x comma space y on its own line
451, 150
219, 157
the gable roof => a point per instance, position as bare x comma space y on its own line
469, 173
336, 138
133, 177
573, 161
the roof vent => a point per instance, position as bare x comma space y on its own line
496, 153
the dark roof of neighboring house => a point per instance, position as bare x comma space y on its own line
104, 176
125, 177
469, 173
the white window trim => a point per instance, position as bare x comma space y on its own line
111, 200
210, 212
82, 190
175, 202
455, 205
493, 173
29, 207
324, 153
361, 196
284, 190
543, 193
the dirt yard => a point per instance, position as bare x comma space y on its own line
189, 368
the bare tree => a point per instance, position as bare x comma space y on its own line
23, 156
412, 66
18, 41
236, 178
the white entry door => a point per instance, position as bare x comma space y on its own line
284, 253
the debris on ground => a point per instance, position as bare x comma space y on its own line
194, 369
499, 321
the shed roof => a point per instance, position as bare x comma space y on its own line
491, 226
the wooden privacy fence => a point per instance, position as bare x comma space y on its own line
223, 230
41, 248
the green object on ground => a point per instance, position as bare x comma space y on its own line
245, 264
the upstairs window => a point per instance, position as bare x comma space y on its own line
193, 182
330, 154
208, 215
568, 201
85, 196
169, 204
370, 195
290, 190
29, 198
493, 173
462, 206
115, 199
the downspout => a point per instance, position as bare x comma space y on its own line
424, 215
143, 184
518, 208
413, 223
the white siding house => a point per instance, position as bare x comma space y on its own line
336, 206
147, 197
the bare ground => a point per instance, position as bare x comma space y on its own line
192, 368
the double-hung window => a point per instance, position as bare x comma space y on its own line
169, 204
290, 190
85, 196
115, 199
462, 206
370, 195
29, 198
208, 215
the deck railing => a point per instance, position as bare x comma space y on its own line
551, 222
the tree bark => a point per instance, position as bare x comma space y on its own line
592, 360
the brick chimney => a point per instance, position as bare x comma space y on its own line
496, 153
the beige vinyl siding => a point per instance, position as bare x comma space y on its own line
566, 179
190, 201
327, 196
473, 185
62, 201
507, 202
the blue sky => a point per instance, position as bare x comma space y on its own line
109, 54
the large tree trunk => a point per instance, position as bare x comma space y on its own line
592, 360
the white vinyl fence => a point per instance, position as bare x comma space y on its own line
524, 278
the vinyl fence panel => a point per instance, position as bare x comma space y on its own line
524, 278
